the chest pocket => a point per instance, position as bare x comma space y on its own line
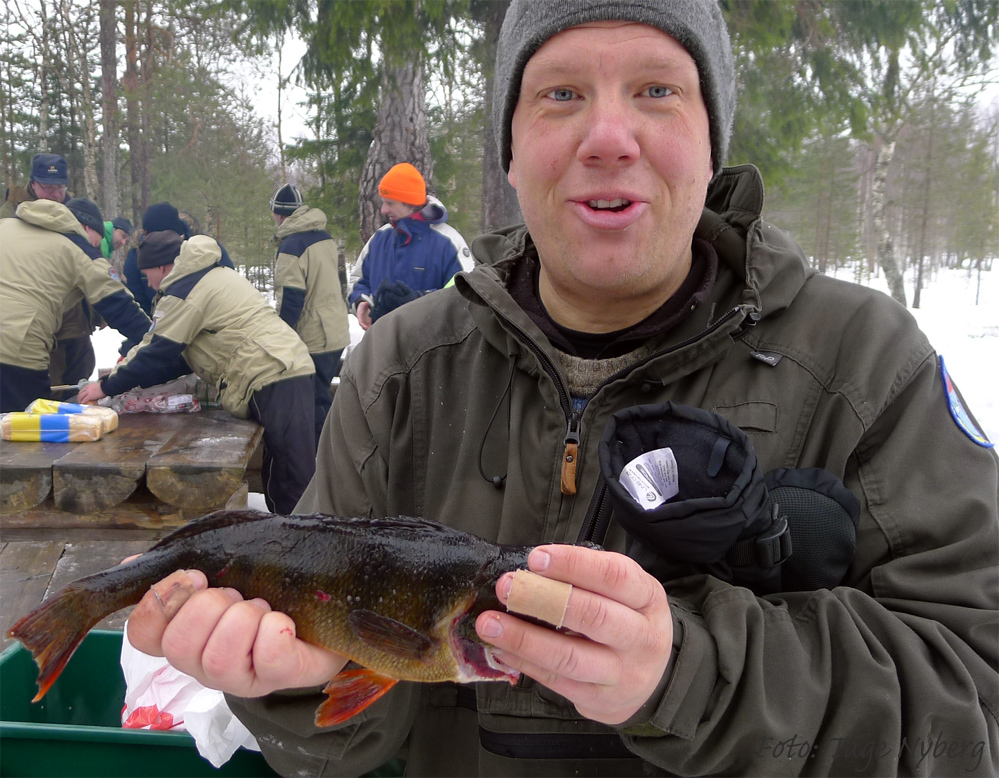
761, 416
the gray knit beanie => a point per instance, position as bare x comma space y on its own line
697, 25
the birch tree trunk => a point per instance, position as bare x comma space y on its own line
43, 76
109, 92
76, 49
400, 135
880, 205
130, 85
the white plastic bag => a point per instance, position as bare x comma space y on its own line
157, 696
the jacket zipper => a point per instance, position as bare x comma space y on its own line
574, 424
597, 518
573, 418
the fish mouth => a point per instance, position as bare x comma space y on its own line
477, 662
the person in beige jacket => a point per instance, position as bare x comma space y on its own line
49, 263
209, 319
307, 285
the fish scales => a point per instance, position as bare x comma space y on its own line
397, 596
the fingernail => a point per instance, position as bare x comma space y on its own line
198, 580
491, 628
538, 560
503, 587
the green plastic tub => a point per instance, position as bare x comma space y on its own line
76, 728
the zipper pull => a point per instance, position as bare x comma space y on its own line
570, 455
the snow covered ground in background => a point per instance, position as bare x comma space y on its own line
966, 334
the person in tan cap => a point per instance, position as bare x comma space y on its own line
415, 253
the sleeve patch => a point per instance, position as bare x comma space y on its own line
959, 413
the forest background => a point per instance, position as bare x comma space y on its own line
867, 118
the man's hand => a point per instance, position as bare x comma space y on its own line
620, 639
364, 314
225, 642
91, 393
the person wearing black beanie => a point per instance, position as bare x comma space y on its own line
158, 217
210, 320
762, 524
89, 215
307, 288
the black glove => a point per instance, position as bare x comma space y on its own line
728, 518
390, 295
823, 515
722, 518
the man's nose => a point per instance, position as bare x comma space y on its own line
610, 133
384, 210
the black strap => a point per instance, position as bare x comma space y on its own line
583, 745
766, 550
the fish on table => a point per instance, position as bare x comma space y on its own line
399, 597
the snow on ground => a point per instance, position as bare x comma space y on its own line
966, 334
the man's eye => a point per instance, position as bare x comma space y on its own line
659, 91
561, 95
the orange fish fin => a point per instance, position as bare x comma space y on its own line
52, 632
391, 636
351, 692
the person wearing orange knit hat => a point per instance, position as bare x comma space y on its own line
415, 253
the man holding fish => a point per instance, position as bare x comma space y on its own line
644, 274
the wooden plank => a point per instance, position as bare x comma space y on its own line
201, 467
25, 571
26, 473
143, 514
97, 476
140, 511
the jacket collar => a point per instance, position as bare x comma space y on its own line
769, 266
196, 253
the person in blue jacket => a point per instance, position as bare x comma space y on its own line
157, 218
415, 253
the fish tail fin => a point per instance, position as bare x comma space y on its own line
53, 630
350, 692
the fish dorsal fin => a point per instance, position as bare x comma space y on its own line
211, 521
388, 635
350, 692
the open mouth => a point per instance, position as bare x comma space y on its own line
618, 204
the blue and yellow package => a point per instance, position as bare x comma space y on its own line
51, 427
108, 417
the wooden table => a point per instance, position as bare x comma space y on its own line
71, 509
154, 471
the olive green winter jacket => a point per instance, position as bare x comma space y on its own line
210, 318
307, 281
892, 672
46, 268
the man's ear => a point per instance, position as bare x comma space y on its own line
510, 175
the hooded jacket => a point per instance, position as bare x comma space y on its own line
894, 671
307, 281
21, 194
144, 294
211, 320
424, 253
48, 266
